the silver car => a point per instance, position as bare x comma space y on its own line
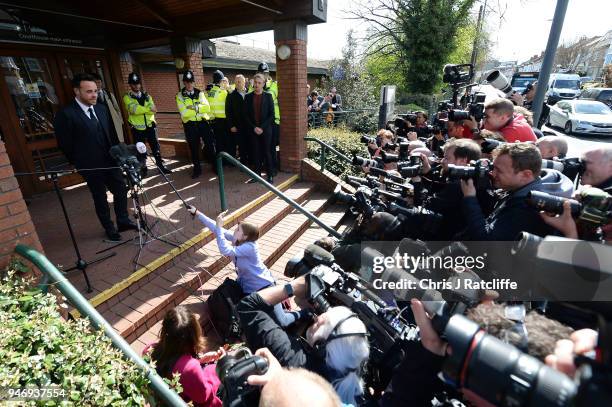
581, 116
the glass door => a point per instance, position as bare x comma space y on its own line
33, 89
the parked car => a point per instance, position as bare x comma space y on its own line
603, 95
581, 116
562, 86
520, 80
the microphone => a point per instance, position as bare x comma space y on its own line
141, 147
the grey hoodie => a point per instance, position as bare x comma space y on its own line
555, 183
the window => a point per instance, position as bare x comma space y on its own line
592, 108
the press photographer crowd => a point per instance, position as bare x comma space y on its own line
478, 172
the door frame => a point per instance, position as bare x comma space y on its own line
16, 146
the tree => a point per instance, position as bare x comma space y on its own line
349, 76
421, 34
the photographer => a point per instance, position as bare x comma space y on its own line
598, 168
516, 171
289, 387
499, 116
335, 345
447, 200
552, 147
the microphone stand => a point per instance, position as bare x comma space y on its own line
80, 264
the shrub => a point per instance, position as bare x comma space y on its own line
343, 140
39, 348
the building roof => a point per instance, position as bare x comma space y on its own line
237, 56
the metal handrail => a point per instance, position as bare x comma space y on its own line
52, 275
334, 117
223, 155
324, 148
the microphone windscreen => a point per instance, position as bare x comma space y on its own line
315, 255
117, 151
141, 147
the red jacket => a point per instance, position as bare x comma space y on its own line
518, 130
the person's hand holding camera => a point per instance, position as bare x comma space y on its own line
564, 223
467, 187
219, 220
425, 164
581, 342
429, 337
472, 123
213, 356
192, 210
274, 368
517, 98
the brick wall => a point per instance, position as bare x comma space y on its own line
292, 102
15, 223
163, 87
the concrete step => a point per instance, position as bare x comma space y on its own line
136, 308
273, 247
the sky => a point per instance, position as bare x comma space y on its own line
522, 33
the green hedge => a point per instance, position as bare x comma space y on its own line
39, 348
345, 141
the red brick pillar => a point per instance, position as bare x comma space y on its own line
291, 75
190, 51
15, 223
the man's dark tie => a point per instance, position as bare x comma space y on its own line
92, 116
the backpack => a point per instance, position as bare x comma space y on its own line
222, 310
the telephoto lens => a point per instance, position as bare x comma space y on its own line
552, 204
500, 373
389, 157
458, 115
365, 139
499, 81
341, 196
460, 172
410, 171
364, 162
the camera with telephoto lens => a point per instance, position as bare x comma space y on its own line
499, 81
379, 172
419, 222
477, 171
364, 201
571, 164
365, 139
475, 108
329, 285
368, 181
233, 370
551, 203
366, 162
125, 157
411, 168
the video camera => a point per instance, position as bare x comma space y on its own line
329, 285
125, 156
233, 370
475, 108
458, 74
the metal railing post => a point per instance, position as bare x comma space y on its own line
223, 155
323, 149
56, 277
221, 182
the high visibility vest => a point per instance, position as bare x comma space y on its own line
140, 116
216, 99
201, 109
272, 87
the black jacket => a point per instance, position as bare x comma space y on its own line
267, 112
76, 136
234, 110
511, 216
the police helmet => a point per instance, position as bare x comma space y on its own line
263, 67
133, 78
188, 76
217, 76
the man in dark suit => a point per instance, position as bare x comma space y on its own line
259, 115
85, 134
234, 110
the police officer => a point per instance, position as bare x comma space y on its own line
195, 114
216, 99
271, 86
141, 110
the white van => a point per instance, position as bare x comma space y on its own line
562, 86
